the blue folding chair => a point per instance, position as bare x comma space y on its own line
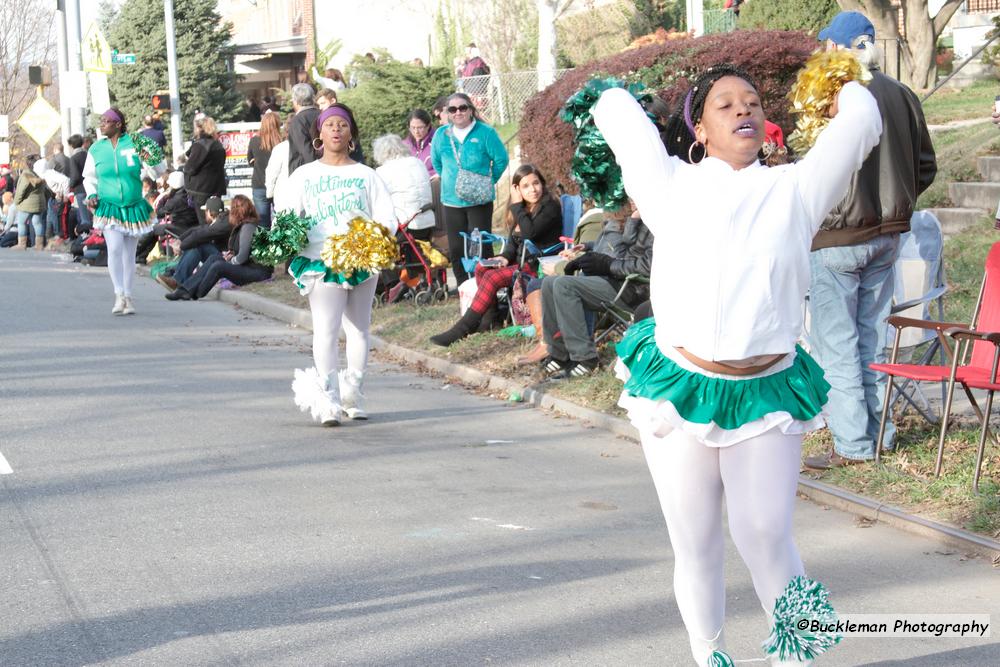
572, 210
471, 256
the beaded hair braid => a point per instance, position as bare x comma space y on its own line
679, 133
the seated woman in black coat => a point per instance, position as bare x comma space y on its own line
235, 264
534, 215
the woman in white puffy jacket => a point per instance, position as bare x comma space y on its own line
410, 188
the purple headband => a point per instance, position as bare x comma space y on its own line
111, 114
331, 111
687, 111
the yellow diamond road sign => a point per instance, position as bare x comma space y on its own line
40, 121
96, 51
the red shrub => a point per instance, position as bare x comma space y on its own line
772, 57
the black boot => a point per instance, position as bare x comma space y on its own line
179, 294
488, 319
465, 326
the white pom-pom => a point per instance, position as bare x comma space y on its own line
311, 394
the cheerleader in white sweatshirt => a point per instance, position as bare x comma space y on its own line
715, 383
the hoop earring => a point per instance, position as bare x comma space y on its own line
320, 146
691, 152
351, 146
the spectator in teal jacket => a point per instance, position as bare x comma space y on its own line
471, 146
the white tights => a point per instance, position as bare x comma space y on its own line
758, 478
333, 306
121, 259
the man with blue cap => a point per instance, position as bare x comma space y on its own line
854, 252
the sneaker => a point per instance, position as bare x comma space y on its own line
330, 417
553, 366
129, 307
119, 305
179, 294
167, 282
579, 369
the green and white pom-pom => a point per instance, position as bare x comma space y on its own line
283, 241
594, 167
803, 599
720, 659
149, 151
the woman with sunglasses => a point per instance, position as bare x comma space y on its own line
470, 157
334, 190
112, 177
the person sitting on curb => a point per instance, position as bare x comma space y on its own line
176, 212
199, 243
234, 264
566, 299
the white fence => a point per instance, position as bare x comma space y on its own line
500, 98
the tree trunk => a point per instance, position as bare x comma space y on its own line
920, 71
546, 42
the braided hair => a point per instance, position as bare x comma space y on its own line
679, 131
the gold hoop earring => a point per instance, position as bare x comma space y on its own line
320, 146
691, 152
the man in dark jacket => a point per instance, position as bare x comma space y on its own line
77, 160
591, 283
148, 130
199, 243
300, 129
855, 250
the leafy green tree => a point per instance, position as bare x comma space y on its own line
809, 15
206, 80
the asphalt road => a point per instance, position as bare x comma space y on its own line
168, 505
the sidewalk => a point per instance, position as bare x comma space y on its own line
823, 494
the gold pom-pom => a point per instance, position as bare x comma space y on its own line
816, 87
366, 246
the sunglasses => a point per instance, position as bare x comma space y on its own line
461, 107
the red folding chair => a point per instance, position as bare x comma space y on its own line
979, 372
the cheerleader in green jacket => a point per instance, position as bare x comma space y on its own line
112, 177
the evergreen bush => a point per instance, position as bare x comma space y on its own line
772, 57
809, 15
388, 91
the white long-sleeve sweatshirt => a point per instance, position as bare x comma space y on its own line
731, 251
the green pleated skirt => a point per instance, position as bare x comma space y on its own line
307, 271
660, 394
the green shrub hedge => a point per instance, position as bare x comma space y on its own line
388, 91
772, 57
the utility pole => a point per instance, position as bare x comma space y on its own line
176, 140
63, 55
78, 110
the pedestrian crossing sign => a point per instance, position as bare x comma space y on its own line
96, 51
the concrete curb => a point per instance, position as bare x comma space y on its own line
818, 492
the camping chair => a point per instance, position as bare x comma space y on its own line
572, 210
920, 285
617, 316
979, 372
472, 252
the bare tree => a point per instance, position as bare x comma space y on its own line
26, 38
919, 68
549, 11
497, 26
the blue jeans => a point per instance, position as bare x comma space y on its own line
37, 221
84, 213
849, 299
263, 206
53, 213
190, 259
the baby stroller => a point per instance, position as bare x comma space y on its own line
421, 259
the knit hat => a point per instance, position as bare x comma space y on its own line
176, 180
